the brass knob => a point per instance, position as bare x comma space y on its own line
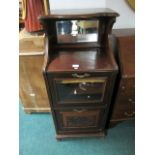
130, 100
123, 87
129, 114
81, 76
79, 110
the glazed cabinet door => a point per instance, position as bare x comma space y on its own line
79, 89
71, 90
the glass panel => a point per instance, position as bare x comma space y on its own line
77, 31
80, 90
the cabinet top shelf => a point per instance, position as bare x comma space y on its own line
90, 60
80, 13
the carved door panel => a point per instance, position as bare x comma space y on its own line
80, 119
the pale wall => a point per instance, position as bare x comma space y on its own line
127, 15
70, 4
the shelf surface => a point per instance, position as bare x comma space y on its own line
90, 60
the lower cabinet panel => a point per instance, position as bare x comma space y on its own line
79, 119
32, 88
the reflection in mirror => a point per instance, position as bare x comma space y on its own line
76, 31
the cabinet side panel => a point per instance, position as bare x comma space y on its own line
32, 88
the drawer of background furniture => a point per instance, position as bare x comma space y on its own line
127, 86
124, 107
121, 114
79, 119
125, 100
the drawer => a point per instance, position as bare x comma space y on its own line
122, 114
128, 100
127, 86
124, 108
124, 105
79, 120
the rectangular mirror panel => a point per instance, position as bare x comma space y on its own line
77, 31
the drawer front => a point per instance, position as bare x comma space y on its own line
127, 87
126, 101
124, 108
81, 88
76, 120
123, 114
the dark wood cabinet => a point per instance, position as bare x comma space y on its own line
124, 103
79, 70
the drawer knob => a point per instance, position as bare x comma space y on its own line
130, 100
129, 114
81, 76
123, 87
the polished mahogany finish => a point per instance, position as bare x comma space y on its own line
87, 60
80, 13
106, 18
79, 76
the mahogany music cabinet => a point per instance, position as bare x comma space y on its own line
79, 69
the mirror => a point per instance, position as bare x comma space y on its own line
77, 31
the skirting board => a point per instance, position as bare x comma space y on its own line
37, 110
